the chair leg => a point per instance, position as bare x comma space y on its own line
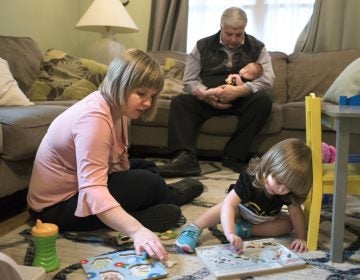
314, 210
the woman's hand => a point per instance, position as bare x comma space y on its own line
150, 242
118, 219
298, 245
235, 242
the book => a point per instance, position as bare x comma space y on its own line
259, 257
123, 265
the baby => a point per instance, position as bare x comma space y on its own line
249, 72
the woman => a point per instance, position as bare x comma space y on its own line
82, 178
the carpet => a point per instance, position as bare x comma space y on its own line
73, 246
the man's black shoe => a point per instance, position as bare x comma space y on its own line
159, 218
185, 164
233, 164
187, 190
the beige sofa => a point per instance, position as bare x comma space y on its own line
296, 74
22, 128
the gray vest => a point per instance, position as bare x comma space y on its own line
214, 60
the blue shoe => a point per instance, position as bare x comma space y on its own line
243, 228
188, 238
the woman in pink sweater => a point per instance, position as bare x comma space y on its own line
82, 178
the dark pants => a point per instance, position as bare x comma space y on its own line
188, 113
135, 190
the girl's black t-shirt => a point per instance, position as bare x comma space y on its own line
256, 199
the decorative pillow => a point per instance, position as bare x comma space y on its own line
64, 77
173, 74
346, 84
10, 93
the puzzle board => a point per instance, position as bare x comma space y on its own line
123, 265
259, 257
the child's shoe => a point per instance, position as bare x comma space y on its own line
243, 228
188, 238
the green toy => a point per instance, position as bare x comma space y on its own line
44, 236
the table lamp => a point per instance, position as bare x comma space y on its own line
107, 17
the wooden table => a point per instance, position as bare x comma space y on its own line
345, 120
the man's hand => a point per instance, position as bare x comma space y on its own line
210, 96
228, 93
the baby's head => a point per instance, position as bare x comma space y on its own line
251, 71
289, 162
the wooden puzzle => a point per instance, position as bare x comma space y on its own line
123, 265
259, 257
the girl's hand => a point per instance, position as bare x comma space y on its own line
298, 245
235, 242
150, 242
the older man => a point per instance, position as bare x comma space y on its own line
211, 61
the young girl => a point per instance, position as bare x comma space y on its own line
252, 207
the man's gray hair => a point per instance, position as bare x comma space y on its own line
233, 17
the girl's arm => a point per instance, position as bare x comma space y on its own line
227, 216
298, 221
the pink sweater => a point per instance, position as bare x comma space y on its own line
81, 147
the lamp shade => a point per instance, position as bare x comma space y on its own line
107, 16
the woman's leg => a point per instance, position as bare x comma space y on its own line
137, 189
62, 214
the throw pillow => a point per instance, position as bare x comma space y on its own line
10, 93
65, 77
346, 84
173, 74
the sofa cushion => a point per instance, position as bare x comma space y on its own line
65, 77
346, 84
221, 125
226, 125
278, 92
293, 115
173, 74
10, 93
24, 57
24, 127
315, 72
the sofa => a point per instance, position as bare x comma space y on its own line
297, 75
22, 127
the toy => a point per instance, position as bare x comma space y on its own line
122, 239
169, 234
328, 153
123, 265
44, 236
259, 257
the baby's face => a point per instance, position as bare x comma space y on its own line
249, 72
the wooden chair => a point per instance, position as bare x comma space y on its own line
323, 174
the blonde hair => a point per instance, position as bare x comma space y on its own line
234, 17
134, 69
289, 162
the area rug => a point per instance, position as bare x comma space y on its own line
72, 247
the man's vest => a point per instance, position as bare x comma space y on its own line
214, 60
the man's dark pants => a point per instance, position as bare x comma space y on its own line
188, 113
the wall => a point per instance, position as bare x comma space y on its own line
51, 23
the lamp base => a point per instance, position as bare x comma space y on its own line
106, 49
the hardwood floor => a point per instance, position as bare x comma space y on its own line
11, 223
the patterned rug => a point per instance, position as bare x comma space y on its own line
73, 247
